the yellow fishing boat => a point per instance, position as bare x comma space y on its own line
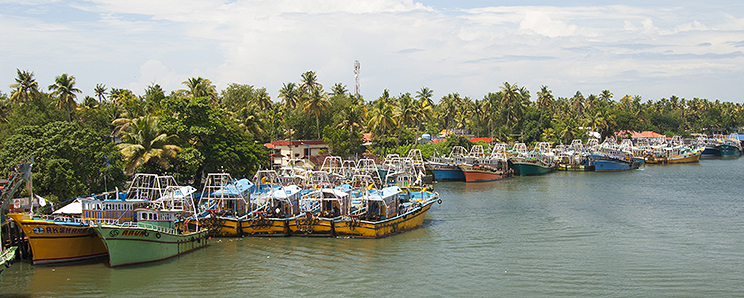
59, 240
382, 213
322, 209
222, 203
64, 238
672, 155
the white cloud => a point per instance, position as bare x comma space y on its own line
540, 23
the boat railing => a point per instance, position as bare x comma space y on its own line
157, 228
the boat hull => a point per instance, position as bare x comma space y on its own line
313, 226
265, 227
574, 167
218, 226
613, 165
531, 169
135, 245
446, 172
728, 150
54, 241
685, 158
482, 174
366, 229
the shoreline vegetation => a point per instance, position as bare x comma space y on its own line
92, 144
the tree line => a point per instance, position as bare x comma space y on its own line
90, 144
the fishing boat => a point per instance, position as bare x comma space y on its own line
611, 163
223, 203
729, 146
493, 167
674, 152
444, 168
384, 212
66, 238
154, 235
321, 208
536, 162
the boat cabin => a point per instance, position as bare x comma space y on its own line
160, 218
118, 211
382, 204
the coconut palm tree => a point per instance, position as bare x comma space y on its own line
262, 99
406, 113
578, 103
511, 100
353, 115
316, 102
289, 95
425, 95
383, 115
606, 96
143, 141
339, 89
544, 100
200, 87
100, 92
26, 88
64, 90
310, 82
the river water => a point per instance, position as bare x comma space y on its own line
660, 231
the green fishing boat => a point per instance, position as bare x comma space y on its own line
159, 231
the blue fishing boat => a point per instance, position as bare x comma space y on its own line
609, 163
445, 168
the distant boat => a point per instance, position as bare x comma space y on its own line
536, 162
493, 167
445, 168
608, 163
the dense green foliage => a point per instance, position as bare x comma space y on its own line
197, 130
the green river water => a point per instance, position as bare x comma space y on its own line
660, 231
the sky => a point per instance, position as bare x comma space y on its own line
654, 49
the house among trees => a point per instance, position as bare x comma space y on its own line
283, 150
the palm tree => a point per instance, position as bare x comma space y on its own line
544, 100
143, 141
249, 119
425, 95
383, 116
289, 95
315, 104
406, 113
578, 103
310, 82
64, 89
339, 89
511, 100
100, 92
606, 96
200, 87
121, 96
26, 88
262, 99
352, 116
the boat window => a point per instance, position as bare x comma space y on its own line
144, 215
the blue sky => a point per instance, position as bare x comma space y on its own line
683, 48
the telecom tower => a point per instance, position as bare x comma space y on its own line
356, 77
